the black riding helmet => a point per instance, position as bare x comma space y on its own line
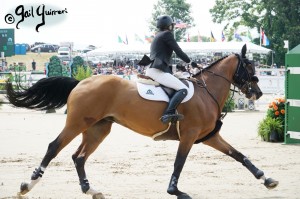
163, 22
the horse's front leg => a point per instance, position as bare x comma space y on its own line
185, 145
220, 144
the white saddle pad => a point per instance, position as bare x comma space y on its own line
156, 93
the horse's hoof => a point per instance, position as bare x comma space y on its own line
183, 196
172, 190
270, 183
24, 188
98, 196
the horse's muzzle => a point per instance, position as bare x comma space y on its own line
254, 95
259, 94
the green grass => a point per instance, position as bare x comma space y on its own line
27, 59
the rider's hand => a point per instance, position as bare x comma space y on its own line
194, 64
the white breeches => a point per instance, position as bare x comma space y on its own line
165, 79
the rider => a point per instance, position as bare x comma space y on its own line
161, 51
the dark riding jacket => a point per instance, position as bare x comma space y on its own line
161, 51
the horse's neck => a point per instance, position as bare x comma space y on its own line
217, 85
225, 68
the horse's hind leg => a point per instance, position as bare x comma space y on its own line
220, 144
64, 138
91, 139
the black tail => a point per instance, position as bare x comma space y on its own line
47, 93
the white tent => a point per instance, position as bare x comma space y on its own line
188, 47
229, 47
120, 48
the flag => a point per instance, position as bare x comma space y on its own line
243, 36
238, 36
149, 38
212, 38
120, 40
137, 38
180, 24
223, 36
264, 39
199, 37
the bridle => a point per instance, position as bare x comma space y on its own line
241, 79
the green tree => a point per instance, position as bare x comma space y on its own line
83, 73
280, 20
77, 61
54, 67
177, 9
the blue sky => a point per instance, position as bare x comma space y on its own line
97, 22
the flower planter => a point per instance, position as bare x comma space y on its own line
274, 136
271, 128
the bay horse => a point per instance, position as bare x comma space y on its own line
95, 103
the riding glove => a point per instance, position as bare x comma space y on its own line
194, 64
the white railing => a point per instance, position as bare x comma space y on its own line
271, 81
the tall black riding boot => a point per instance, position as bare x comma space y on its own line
169, 114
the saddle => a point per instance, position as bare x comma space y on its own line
152, 90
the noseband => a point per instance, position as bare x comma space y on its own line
241, 78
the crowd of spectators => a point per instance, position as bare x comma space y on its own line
132, 68
121, 67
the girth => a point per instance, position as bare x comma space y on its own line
173, 133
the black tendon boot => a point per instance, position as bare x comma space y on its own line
169, 114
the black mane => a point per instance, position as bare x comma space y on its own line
210, 65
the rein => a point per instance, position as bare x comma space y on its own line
202, 84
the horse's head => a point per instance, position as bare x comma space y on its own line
244, 77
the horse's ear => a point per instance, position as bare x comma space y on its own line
244, 50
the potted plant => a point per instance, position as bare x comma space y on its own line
263, 130
275, 129
271, 128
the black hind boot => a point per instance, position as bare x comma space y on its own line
169, 114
